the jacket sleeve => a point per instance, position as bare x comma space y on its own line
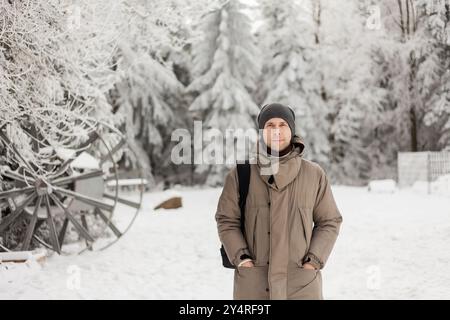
327, 221
228, 218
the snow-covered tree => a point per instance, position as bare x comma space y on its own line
434, 72
292, 69
412, 55
149, 96
322, 66
55, 68
225, 69
355, 96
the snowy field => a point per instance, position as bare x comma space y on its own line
391, 246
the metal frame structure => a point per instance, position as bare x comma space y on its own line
46, 203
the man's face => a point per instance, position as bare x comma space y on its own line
277, 134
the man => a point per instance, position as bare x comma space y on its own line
291, 218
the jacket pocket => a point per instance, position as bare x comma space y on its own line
299, 237
250, 223
307, 222
305, 284
251, 283
254, 242
261, 240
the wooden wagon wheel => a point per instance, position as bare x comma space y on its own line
74, 193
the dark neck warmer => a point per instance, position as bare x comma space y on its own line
282, 153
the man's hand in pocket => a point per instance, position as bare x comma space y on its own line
247, 264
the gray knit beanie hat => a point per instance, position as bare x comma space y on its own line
277, 110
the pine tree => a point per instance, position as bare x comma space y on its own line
149, 96
225, 69
289, 41
355, 96
435, 72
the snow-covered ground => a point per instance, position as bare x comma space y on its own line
391, 246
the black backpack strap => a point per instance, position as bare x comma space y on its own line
243, 171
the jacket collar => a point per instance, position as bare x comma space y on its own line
284, 169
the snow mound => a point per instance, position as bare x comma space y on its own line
441, 186
382, 186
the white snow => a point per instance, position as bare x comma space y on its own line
127, 182
23, 255
64, 153
391, 246
85, 161
420, 186
382, 186
15, 255
441, 185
